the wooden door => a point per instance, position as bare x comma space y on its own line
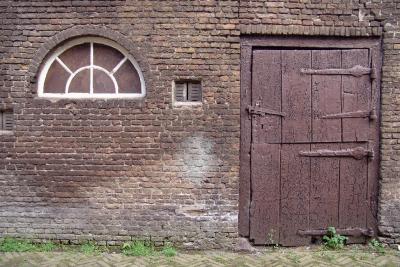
314, 144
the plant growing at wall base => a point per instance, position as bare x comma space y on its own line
92, 248
138, 248
270, 239
333, 240
47, 247
9, 244
377, 246
168, 250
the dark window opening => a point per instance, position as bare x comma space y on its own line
188, 91
6, 120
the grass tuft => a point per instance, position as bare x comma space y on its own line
92, 248
169, 251
47, 247
138, 248
9, 244
377, 246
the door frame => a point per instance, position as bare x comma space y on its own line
247, 45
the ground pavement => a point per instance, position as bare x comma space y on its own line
270, 257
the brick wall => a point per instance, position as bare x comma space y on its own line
121, 169
306, 17
389, 209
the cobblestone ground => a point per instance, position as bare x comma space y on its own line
279, 257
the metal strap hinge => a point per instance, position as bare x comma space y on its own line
356, 71
353, 114
347, 231
357, 153
255, 110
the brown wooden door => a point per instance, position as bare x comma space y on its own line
314, 144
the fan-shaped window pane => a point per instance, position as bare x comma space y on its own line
106, 56
56, 78
102, 83
76, 57
80, 83
128, 78
91, 67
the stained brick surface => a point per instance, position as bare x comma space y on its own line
120, 169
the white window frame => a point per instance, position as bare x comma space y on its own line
91, 40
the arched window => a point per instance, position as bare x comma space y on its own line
91, 68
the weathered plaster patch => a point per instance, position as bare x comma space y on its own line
196, 158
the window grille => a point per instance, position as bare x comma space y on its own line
6, 120
188, 91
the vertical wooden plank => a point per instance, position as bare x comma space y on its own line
296, 96
245, 141
295, 191
324, 191
326, 97
356, 95
372, 187
353, 189
373, 164
265, 184
266, 91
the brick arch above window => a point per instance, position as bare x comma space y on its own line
91, 67
129, 45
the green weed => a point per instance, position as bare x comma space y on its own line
92, 248
138, 248
169, 251
333, 240
9, 244
47, 247
270, 239
377, 246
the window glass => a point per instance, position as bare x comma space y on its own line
91, 67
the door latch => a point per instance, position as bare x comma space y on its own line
256, 110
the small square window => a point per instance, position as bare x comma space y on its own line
6, 120
188, 92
